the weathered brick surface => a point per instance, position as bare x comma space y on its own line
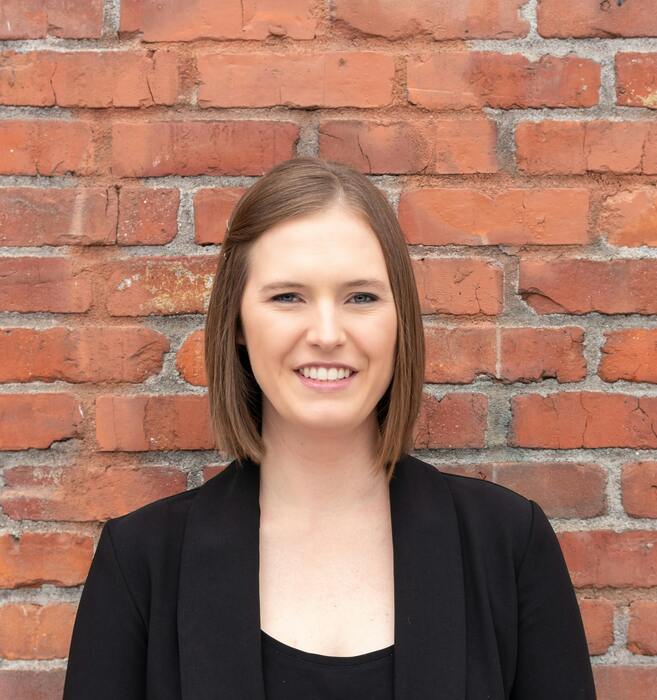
575, 419
38, 420
458, 286
47, 147
32, 631
466, 216
43, 284
85, 492
200, 147
145, 422
88, 354
436, 146
585, 18
581, 286
180, 20
158, 286
456, 80
89, 79
34, 19
457, 420
629, 218
337, 79
636, 79
35, 558
598, 619
592, 146
30, 216
638, 484
441, 19
629, 354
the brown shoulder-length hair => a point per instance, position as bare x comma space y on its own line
296, 187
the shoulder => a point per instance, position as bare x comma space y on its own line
146, 537
489, 515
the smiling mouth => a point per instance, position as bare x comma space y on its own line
328, 382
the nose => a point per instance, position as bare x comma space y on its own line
325, 326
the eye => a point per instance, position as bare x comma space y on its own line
278, 297
366, 294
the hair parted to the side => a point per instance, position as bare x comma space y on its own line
296, 187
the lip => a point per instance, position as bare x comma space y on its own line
337, 385
328, 365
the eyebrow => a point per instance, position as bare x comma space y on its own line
272, 286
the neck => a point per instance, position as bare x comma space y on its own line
320, 480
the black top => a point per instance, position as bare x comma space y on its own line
484, 604
293, 674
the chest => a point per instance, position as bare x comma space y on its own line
329, 592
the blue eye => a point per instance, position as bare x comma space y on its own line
293, 294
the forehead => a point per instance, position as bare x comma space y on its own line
321, 245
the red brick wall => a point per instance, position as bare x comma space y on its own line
517, 140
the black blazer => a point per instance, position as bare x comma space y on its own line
484, 604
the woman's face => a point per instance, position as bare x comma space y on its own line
319, 318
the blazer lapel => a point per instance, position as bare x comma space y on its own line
219, 593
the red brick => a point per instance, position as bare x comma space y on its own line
458, 355
562, 489
30, 216
636, 79
456, 80
190, 360
456, 420
580, 147
142, 422
32, 685
46, 147
533, 354
598, 619
629, 354
629, 218
33, 631
426, 146
212, 208
580, 286
639, 489
85, 354
200, 147
147, 216
35, 19
85, 492
464, 216
38, 420
601, 558
334, 79
159, 286
35, 558
604, 18
43, 284
642, 630
458, 286
180, 20
89, 79
441, 19
588, 419
624, 682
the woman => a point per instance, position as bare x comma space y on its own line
324, 561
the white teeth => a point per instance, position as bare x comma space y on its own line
324, 374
